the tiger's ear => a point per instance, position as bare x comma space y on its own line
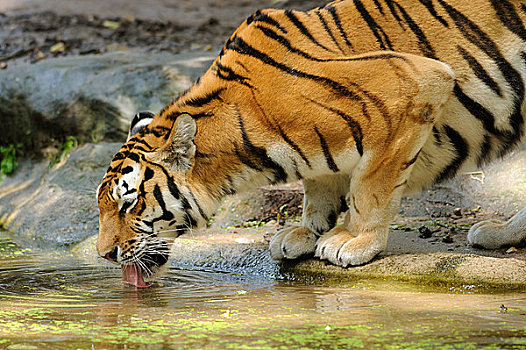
139, 122
178, 154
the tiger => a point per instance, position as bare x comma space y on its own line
364, 101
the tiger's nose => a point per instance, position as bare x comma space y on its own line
112, 256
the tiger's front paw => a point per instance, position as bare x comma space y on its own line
292, 243
489, 234
343, 248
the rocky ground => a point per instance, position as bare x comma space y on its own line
34, 30
82, 69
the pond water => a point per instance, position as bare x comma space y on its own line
57, 301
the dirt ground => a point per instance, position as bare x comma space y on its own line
32, 30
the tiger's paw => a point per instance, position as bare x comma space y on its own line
489, 234
292, 243
341, 247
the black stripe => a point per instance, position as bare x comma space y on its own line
401, 184
353, 200
142, 149
167, 216
410, 162
436, 136
242, 47
227, 186
479, 71
246, 160
172, 187
199, 208
485, 150
395, 14
293, 145
134, 156
228, 74
477, 110
461, 149
142, 208
476, 36
286, 43
279, 173
338, 22
143, 142
203, 100
137, 230
356, 129
423, 44
157, 131
189, 220
129, 191
482, 114
431, 8
381, 37
328, 30
328, 157
297, 171
185, 203
127, 170
126, 205
261, 17
282, 133
204, 155
297, 23
509, 17
379, 6
148, 174
201, 115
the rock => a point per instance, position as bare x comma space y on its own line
425, 232
447, 239
51, 207
90, 97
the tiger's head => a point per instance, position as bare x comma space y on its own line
144, 199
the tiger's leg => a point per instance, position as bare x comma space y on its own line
492, 234
377, 185
323, 201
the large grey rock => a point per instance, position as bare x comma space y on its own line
55, 206
91, 97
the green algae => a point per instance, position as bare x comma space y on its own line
442, 278
186, 330
60, 305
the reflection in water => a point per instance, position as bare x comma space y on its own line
55, 301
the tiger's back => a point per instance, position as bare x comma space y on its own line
482, 121
371, 98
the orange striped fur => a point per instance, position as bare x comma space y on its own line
368, 99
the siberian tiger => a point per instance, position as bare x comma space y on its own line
367, 98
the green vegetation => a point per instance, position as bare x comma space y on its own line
8, 162
71, 143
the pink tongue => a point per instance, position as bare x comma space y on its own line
132, 275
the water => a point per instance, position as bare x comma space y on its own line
56, 301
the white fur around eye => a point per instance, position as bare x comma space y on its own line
125, 192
